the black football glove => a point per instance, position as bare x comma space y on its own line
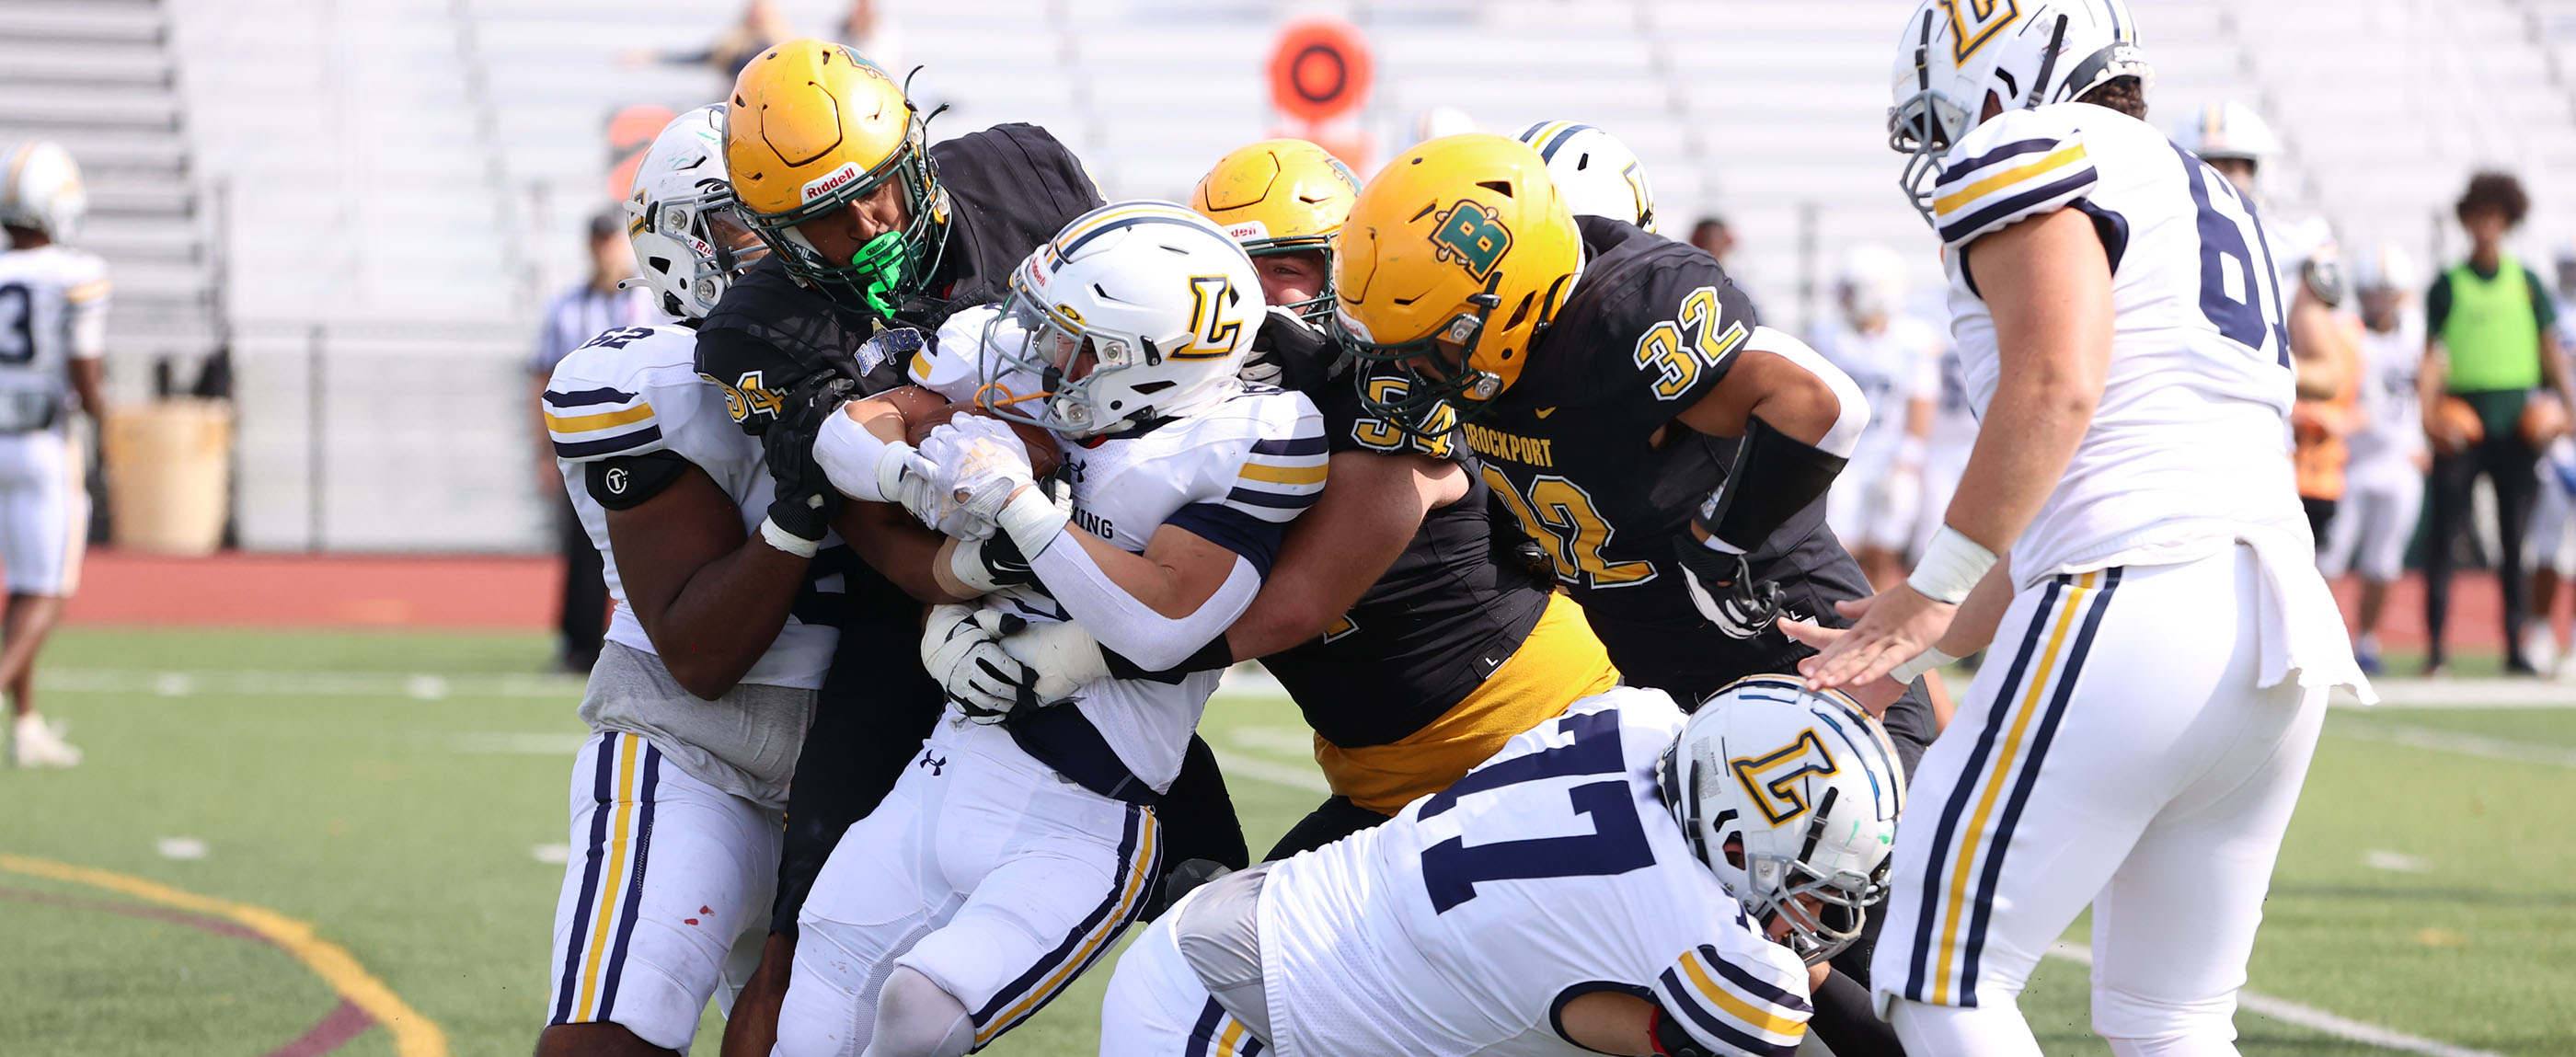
804, 497
1723, 587
1289, 353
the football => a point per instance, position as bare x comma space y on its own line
1040, 444
2453, 417
2544, 419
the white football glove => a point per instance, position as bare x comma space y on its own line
1059, 658
978, 463
961, 650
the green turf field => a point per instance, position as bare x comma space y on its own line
394, 791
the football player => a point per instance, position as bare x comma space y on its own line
1414, 640
1896, 360
1603, 375
53, 337
2384, 486
1598, 175
1019, 845
2171, 644
875, 227
727, 593
2324, 340
1618, 880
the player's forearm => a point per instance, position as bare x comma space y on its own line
2316, 347
1779, 380
88, 382
1371, 507
1972, 628
726, 616
897, 547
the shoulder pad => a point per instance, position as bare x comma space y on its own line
601, 399
84, 276
1274, 453
1729, 1006
2021, 164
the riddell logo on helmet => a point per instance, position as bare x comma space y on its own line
829, 182
1250, 229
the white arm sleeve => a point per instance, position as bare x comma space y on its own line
1129, 627
1854, 415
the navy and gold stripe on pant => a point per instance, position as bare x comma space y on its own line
1974, 832
1218, 1034
627, 772
1139, 863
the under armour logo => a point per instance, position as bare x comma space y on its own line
616, 480
935, 763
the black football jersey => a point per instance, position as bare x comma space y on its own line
1443, 617
1585, 449
1010, 188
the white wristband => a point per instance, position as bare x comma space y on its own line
787, 541
1032, 521
855, 460
1951, 567
1924, 662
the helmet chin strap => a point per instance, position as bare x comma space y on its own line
2047, 65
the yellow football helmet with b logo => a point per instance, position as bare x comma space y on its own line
1281, 196
1454, 259
813, 127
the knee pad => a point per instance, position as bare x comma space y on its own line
915, 1018
2174, 1046
1962, 1031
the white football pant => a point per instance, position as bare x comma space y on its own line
44, 512
1158, 1007
2114, 750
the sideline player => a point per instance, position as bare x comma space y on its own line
53, 337
899, 233
1620, 880
2384, 487
1019, 845
1410, 632
726, 588
2171, 644
1895, 359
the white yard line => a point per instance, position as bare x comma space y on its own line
1294, 776
2310, 1017
2415, 737
2468, 693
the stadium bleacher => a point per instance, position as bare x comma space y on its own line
382, 194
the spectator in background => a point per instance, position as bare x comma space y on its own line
870, 29
572, 319
2384, 482
762, 25
2490, 346
1715, 237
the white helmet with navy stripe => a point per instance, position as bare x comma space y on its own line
1135, 311
1787, 792
2229, 131
1954, 54
1598, 175
689, 243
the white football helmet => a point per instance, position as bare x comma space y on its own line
1151, 304
1598, 175
2027, 54
1808, 790
2385, 266
1872, 282
2230, 130
689, 243
42, 191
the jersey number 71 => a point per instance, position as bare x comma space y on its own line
1452, 869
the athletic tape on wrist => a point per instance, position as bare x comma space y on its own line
1951, 567
850, 455
1032, 521
1926, 661
787, 541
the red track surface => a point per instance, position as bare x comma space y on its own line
518, 593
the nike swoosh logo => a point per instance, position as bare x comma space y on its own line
1546, 411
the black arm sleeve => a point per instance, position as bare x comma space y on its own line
1774, 477
623, 482
2543, 306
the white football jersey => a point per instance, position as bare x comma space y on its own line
2392, 429
1550, 871
635, 391
53, 310
1894, 367
1234, 472
2190, 446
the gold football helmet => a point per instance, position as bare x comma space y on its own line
1461, 242
813, 127
1281, 196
